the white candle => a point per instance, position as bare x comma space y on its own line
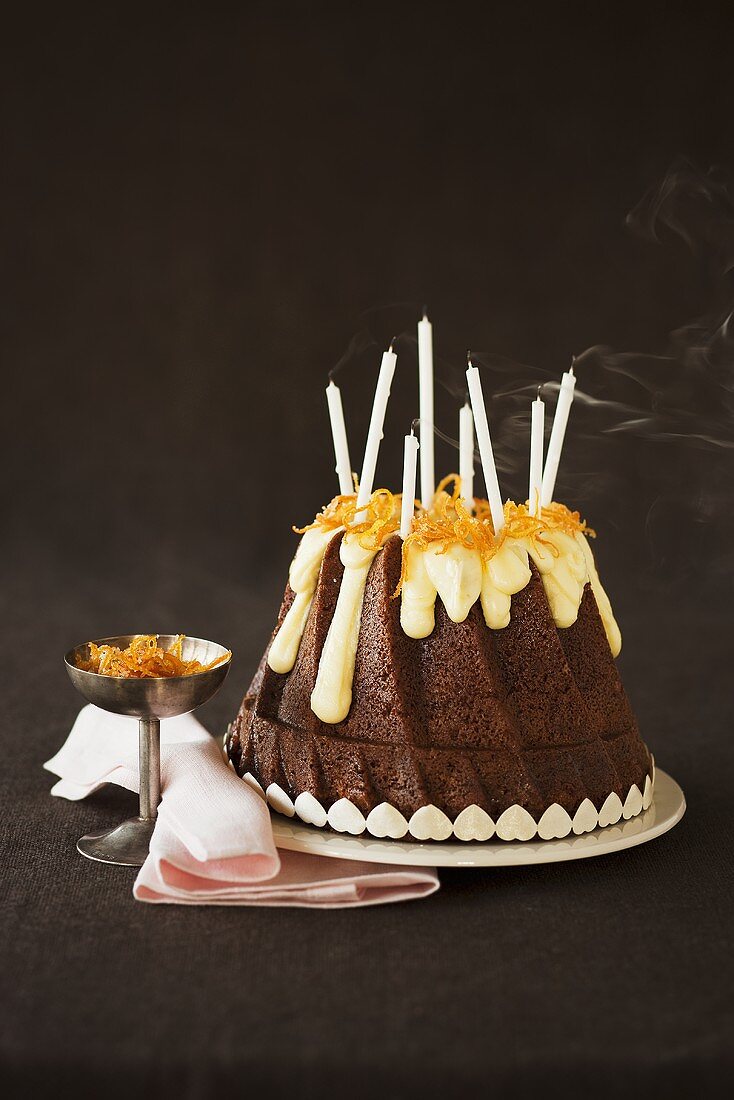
537, 427
339, 435
425, 378
485, 448
558, 431
377, 420
409, 463
466, 454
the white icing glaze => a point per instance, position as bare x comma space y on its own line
611, 811
302, 578
456, 574
516, 824
647, 794
331, 697
346, 818
310, 810
586, 818
632, 803
473, 823
249, 778
279, 800
564, 574
504, 574
614, 636
554, 823
460, 577
430, 823
417, 596
385, 820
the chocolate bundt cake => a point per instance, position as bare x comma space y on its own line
455, 684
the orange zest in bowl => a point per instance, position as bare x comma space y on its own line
144, 658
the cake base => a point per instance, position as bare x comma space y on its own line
666, 810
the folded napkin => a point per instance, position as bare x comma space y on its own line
213, 841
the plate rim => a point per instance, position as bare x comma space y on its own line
293, 835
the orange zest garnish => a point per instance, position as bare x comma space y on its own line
379, 518
449, 521
144, 658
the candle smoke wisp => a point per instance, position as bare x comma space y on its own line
650, 432
360, 343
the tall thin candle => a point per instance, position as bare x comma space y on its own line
425, 378
558, 431
537, 427
408, 503
377, 421
466, 454
485, 447
339, 435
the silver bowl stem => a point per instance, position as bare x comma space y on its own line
128, 844
149, 748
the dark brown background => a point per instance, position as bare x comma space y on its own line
201, 205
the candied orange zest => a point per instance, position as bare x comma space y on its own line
379, 518
449, 521
144, 658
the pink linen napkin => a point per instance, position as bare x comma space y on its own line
213, 841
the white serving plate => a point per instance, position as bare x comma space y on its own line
667, 809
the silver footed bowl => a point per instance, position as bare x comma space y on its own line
151, 697
148, 699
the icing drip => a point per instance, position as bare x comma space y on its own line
302, 577
417, 597
460, 578
564, 574
331, 697
458, 574
614, 636
505, 574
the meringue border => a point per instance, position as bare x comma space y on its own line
472, 824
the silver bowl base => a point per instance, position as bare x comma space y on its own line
126, 845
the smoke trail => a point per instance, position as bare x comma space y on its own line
652, 431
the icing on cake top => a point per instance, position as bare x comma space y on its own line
452, 554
